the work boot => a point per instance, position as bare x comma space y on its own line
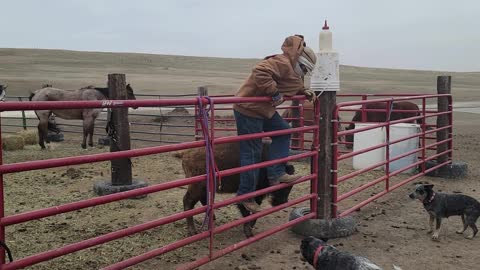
251, 206
286, 178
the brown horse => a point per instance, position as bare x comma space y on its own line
88, 115
308, 116
381, 116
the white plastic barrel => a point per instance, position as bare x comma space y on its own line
369, 138
399, 131
366, 139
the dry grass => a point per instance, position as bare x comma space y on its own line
27, 69
32, 190
30, 136
27, 191
12, 142
24, 70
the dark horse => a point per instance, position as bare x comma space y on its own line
87, 115
381, 116
3, 91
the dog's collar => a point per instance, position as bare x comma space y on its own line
431, 199
315, 256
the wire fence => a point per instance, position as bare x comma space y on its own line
168, 124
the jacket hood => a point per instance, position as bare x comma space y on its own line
292, 47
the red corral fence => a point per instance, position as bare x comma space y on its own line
422, 152
341, 170
202, 102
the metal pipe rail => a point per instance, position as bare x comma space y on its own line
66, 161
421, 150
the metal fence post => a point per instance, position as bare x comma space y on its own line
201, 91
2, 205
296, 143
24, 119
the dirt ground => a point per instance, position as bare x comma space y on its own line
391, 230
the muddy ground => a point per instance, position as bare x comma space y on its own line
391, 230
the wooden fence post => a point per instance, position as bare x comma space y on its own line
202, 91
326, 224
443, 87
328, 101
121, 168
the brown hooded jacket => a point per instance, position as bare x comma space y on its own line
274, 73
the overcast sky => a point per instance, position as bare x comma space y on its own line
415, 34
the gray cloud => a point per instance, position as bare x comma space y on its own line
425, 34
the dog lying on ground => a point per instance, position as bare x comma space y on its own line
324, 257
441, 205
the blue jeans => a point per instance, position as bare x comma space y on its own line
251, 150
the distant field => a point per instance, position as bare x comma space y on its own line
27, 69
391, 229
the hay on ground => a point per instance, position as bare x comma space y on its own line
12, 142
29, 136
